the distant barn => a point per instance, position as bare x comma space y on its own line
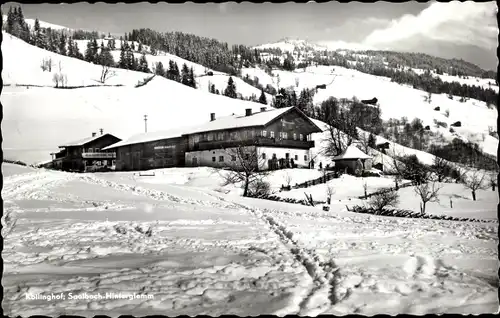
372, 101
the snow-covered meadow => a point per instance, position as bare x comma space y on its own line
174, 243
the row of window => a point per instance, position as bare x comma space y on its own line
249, 134
284, 135
233, 158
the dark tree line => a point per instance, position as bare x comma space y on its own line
424, 81
208, 52
466, 153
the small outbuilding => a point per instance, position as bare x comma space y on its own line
354, 160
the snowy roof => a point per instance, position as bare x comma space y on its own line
227, 122
351, 153
149, 136
240, 121
83, 141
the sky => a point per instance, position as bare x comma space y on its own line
466, 30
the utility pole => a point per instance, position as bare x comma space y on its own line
145, 123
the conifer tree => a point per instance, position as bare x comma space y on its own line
177, 73
105, 57
122, 63
62, 44
135, 63
76, 51
143, 64
185, 75
192, 81
38, 36
159, 70
71, 52
230, 90
262, 98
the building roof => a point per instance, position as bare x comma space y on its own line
222, 123
241, 121
351, 153
84, 141
149, 136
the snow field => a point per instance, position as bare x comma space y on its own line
196, 260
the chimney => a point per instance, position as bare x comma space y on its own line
93, 134
212, 116
262, 109
101, 131
248, 112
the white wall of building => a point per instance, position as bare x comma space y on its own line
205, 157
281, 153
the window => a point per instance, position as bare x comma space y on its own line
234, 135
274, 156
213, 159
210, 137
294, 136
287, 156
305, 157
272, 134
220, 136
296, 157
233, 158
285, 135
91, 149
300, 137
221, 158
263, 156
197, 138
97, 149
264, 133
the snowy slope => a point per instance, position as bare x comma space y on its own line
290, 45
25, 60
42, 118
185, 249
219, 79
398, 101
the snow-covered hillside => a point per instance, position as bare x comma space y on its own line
290, 45
38, 119
172, 246
219, 79
397, 101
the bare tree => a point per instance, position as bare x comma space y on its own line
441, 168
493, 183
428, 97
106, 73
387, 197
475, 181
342, 131
363, 143
245, 166
46, 64
288, 179
60, 79
428, 192
330, 191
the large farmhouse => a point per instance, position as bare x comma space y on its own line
85, 155
279, 137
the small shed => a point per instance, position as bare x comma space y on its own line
354, 160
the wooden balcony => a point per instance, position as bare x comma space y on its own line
257, 141
98, 155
